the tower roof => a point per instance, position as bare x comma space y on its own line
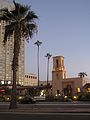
58, 57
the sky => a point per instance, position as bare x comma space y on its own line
64, 30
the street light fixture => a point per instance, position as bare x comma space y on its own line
38, 43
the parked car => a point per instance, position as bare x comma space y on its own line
40, 98
27, 100
7, 98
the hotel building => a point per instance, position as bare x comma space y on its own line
6, 57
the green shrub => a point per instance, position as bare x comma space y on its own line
50, 98
84, 97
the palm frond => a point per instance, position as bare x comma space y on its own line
4, 10
19, 9
29, 30
8, 31
23, 17
24, 9
6, 15
31, 16
3, 13
82, 74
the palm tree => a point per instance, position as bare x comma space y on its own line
48, 55
82, 74
21, 24
38, 43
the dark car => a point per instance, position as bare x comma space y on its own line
27, 100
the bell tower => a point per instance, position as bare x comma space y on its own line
58, 67
58, 74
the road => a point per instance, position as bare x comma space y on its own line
44, 116
46, 111
49, 107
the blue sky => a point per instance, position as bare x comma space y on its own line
63, 29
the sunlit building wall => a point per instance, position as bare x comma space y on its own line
30, 79
60, 83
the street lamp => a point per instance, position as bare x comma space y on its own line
38, 43
48, 55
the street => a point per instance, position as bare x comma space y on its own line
46, 111
50, 107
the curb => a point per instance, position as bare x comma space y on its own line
44, 111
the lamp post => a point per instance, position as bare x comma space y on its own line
38, 43
48, 55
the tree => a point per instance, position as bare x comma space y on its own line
21, 24
82, 74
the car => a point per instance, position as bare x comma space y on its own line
40, 98
7, 98
27, 100
20, 97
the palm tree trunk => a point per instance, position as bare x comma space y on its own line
13, 103
17, 42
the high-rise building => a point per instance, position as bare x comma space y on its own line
6, 57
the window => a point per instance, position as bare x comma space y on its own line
57, 76
78, 89
62, 62
57, 91
88, 89
56, 63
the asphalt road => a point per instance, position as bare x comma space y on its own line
47, 116
49, 107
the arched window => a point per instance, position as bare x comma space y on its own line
57, 63
57, 76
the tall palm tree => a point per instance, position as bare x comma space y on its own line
48, 56
21, 23
82, 74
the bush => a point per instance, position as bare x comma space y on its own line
1, 99
50, 98
84, 97
59, 98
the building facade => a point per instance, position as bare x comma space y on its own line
6, 57
30, 80
60, 83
